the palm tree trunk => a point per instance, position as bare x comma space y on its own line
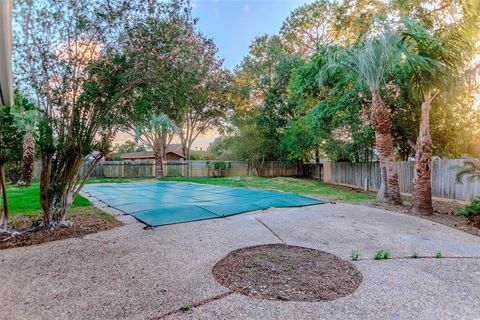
28, 159
422, 188
389, 188
5, 211
158, 153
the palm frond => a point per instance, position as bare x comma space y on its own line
372, 60
471, 168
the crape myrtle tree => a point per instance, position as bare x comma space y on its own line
160, 46
79, 87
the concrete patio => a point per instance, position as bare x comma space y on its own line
132, 273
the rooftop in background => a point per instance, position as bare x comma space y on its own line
174, 152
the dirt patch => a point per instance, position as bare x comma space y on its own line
85, 221
443, 213
290, 273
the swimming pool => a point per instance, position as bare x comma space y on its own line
168, 202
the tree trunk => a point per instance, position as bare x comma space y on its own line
45, 187
158, 153
422, 188
57, 187
28, 159
389, 188
5, 211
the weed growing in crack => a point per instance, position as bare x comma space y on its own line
355, 255
186, 307
382, 254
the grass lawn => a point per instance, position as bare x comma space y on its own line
292, 185
25, 201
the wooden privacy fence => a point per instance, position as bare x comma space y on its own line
189, 168
444, 183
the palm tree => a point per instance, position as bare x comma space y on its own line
157, 134
28, 122
373, 61
436, 63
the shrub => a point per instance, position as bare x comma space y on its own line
470, 211
220, 165
217, 168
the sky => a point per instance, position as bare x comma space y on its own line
234, 24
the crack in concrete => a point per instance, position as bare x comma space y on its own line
195, 305
269, 229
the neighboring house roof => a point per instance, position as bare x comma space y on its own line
172, 148
177, 149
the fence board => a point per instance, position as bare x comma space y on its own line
192, 168
444, 184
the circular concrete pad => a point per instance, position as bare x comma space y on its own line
290, 273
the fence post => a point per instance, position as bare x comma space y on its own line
327, 171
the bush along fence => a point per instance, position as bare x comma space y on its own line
190, 168
367, 176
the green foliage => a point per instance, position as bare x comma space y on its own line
277, 84
355, 255
128, 146
203, 155
382, 254
13, 171
415, 255
438, 254
217, 168
186, 307
11, 136
249, 143
471, 211
334, 119
219, 147
219, 165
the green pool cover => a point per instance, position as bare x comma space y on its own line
162, 203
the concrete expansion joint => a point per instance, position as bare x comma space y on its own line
419, 258
194, 305
271, 231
